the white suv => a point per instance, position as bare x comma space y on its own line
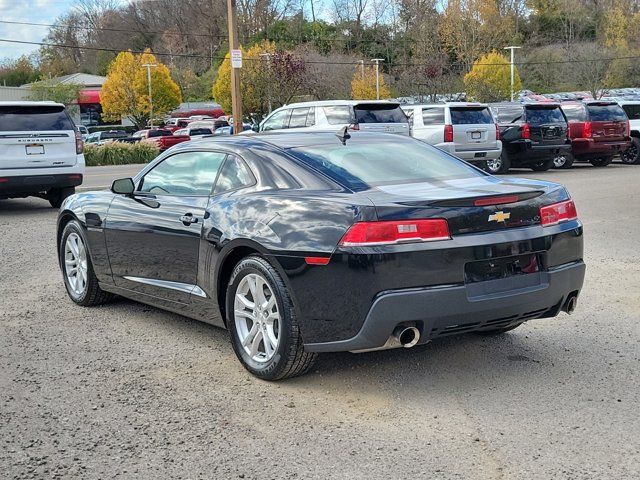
632, 109
366, 115
466, 130
41, 151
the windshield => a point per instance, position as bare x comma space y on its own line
540, 116
373, 113
159, 133
470, 115
606, 113
361, 164
34, 118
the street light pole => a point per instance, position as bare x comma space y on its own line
361, 62
512, 48
149, 66
377, 60
236, 96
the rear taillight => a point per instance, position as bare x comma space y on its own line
557, 213
586, 130
526, 131
628, 132
389, 232
497, 132
79, 144
448, 133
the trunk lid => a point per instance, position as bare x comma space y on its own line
469, 205
473, 128
608, 122
547, 125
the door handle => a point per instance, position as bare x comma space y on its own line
188, 219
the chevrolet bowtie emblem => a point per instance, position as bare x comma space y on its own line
499, 217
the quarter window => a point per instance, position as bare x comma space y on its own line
234, 174
338, 115
433, 116
189, 173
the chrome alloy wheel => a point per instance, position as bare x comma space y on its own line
559, 161
494, 164
257, 318
75, 264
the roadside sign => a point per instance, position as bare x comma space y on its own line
236, 58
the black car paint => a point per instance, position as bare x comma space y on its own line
291, 212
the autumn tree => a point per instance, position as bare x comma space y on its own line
363, 84
125, 93
490, 79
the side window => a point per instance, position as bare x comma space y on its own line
311, 118
277, 121
234, 174
338, 115
433, 116
188, 173
298, 117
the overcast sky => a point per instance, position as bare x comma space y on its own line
35, 11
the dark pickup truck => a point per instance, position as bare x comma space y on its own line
532, 135
599, 130
162, 137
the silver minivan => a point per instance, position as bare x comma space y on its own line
466, 130
366, 115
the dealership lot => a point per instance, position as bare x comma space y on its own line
128, 390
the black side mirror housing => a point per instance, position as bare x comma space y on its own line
255, 127
123, 186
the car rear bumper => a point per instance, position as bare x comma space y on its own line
526, 152
24, 185
586, 148
472, 156
446, 310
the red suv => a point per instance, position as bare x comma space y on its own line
599, 130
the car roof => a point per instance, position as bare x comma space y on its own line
27, 103
446, 104
628, 102
333, 103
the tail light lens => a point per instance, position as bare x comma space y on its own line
586, 130
79, 144
390, 232
448, 133
526, 131
497, 132
558, 213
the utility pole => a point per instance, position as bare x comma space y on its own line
361, 62
236, 96
512, 48
149, 66
377, 60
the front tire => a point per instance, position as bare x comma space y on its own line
57, 195
77, 270
631, 156
601, 162
261, 319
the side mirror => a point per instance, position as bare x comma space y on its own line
255, 127
123, 186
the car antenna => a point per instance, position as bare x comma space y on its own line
343, 135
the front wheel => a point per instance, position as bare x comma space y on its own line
631, 156
261, 319
500, 164
601, 162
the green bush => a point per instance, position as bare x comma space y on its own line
117, 153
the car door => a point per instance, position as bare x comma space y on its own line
153, 235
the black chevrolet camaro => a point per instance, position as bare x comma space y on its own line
301, 243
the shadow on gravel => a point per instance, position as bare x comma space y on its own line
22, 206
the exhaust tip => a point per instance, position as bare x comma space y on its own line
571, 304
407, 336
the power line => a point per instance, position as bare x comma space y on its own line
321, 62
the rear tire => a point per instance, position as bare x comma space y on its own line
57, 195
77, 270
601, 162
498, 331
632, 155
261, 319
563, 161
500, 164
544, 166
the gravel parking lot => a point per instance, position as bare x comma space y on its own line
126, 390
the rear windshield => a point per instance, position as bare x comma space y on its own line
510, 114
632, 111
606, 113
361, 164
34, 118
542, 115
379, 114
160, 133
470, 115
